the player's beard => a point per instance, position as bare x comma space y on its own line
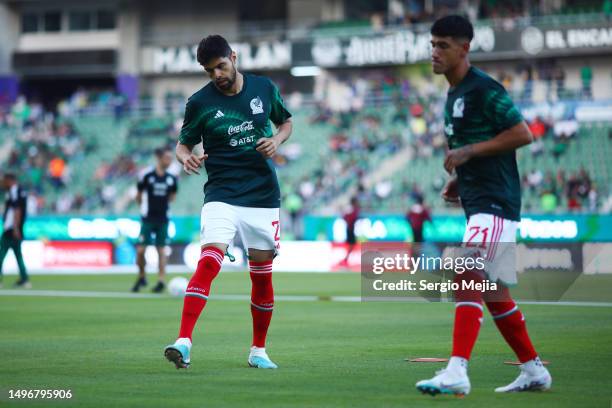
229, 82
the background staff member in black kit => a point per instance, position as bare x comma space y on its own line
12, 226
156, 190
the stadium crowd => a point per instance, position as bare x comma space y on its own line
366, 120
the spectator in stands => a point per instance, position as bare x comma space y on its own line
396, 12
534, 179
573, 203
350, 218
57, 170
417, 216
584, 184
538, 129
565, 129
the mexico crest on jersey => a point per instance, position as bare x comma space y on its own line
256, 105
458, 107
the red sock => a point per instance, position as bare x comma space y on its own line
262, 300
511, 323
198, 289
468, 317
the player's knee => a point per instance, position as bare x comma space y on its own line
500, 303
467, 288
259, 255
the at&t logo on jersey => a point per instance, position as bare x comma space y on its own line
242, 141
243, 127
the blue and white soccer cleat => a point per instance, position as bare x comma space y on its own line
259, 359
179, 353
446, 382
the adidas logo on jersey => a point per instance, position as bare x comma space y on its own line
219, 114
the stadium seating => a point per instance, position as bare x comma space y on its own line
336, 155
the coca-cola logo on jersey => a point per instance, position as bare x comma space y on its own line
243, 127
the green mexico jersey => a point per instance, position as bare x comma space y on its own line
478, 109
229, 128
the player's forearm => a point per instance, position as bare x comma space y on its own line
508, 140
183, 152
284, 131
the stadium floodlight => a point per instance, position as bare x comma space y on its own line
305, 71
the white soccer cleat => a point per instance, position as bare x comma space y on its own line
446, 382
258, 358
533, 377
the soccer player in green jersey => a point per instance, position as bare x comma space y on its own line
483, 130
230, 117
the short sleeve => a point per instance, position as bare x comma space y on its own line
141, 183
499, 108
278, 113
191, 132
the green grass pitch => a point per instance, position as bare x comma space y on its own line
108, 351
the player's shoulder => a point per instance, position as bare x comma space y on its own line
172, 176
201, 96
144, 173
484, 82
260, 80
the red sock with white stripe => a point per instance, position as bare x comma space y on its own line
511, 323
198, 289
262, 300
468, 319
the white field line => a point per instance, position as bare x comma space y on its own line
281, 298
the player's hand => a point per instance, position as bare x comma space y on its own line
456, 157
193, 163
450, 193
267, 146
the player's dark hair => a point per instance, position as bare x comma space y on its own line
211, 47
453, 26
159, 152
11, 176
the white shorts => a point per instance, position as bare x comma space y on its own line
259, 228
495, 237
